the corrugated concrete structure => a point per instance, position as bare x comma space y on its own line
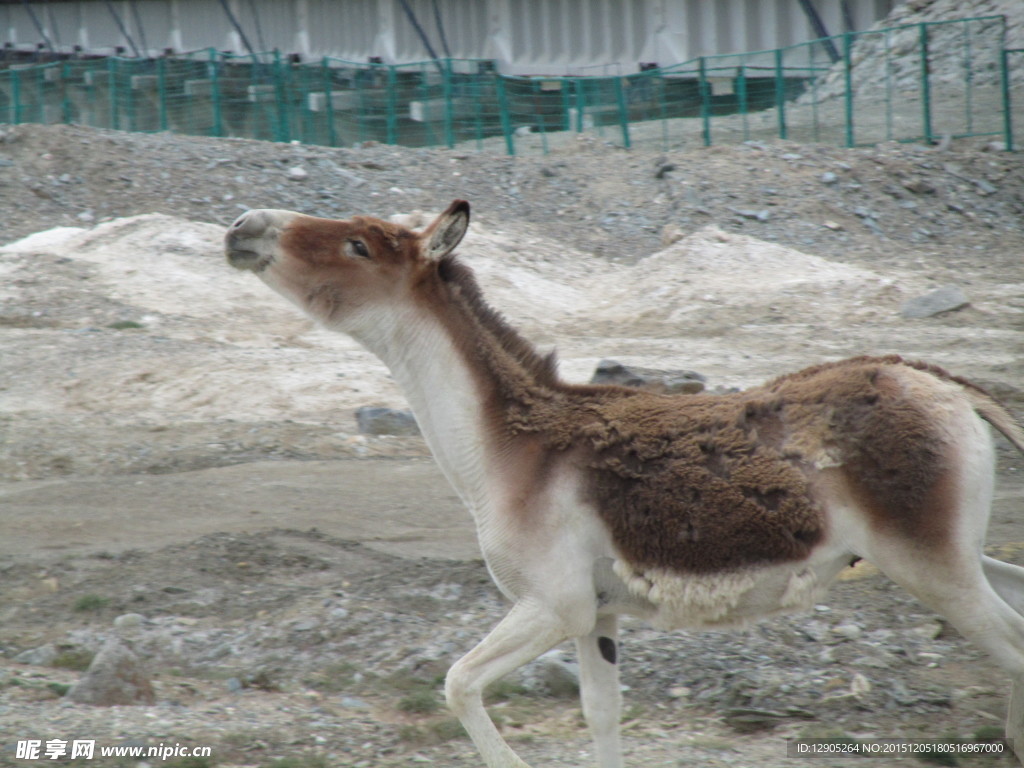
552, 37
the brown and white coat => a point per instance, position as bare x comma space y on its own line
689, 511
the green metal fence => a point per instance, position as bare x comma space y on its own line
910, 83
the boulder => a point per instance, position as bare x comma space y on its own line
115, 677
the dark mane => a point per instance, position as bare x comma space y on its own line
542, 369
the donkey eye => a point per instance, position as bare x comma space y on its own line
360, 248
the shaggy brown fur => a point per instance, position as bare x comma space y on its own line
704, 483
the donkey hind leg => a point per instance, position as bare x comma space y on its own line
525, 633
954, 584
1006, 579
599, 689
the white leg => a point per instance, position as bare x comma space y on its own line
599, 689
957, 588
527, 631
1006, 579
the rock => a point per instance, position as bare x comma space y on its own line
930, 631
747, 720
297, 173
386, 421
816, 631
553, 675
664, 168
948, 298
42, 656
671, 382
919, 187
828, 178
115, 677
847, 630
129, 621
860, 686
984, 188
671, 233
762, 215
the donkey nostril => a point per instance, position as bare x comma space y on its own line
250, 224
240, 221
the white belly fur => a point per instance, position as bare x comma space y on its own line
669, 600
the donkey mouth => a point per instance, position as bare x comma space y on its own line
241, 258
246, 252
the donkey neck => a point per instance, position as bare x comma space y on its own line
443, 394
457, 361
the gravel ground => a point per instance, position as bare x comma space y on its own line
296, 644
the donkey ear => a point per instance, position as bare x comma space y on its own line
446, 231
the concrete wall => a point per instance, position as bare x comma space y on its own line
525, 36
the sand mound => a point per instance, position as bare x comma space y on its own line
216, 343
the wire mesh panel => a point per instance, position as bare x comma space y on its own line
31, 94
253, 96
909, 83
1013, 97
190, 87
538, 113
964, 82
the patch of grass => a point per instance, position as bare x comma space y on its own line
122, 325
334, 678
58, 688
191, 762
305, 761
633, 712
75, 659
434, 732
406, 682
447, 729
420, 702
91, 602
989, 733
504, 690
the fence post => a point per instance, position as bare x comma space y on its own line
392, 119
780, 93
15, 79
506, 117
65, 101
161, 84
283, 132
848, 83
1004, 65
620, 97
926, 97
739, 86
332, 136
218, 117
580, 102
112, 89
705, 100
449, 105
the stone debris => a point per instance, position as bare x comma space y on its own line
373, 420
948, 298
671, 382
115, 677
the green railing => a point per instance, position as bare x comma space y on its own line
910, 83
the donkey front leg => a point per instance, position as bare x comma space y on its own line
527, 631
599, 689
